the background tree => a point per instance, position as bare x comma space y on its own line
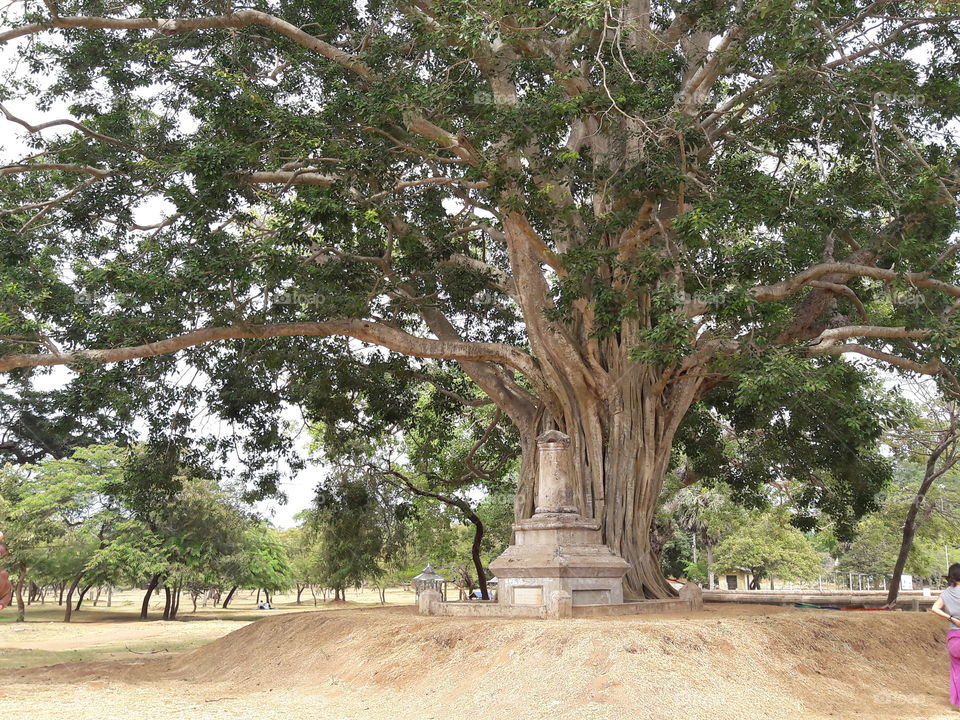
708, 515
200, 524
625, 220
350, 536
153, 478
457, 456
267, 566
877, 544
440, 536
769, 547
302, 551
91, 519
59, 509
6, 588
934, 441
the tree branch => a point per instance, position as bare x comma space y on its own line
367, 331
930, 368
419, 125
473, 185
841, 290
47, 204
267, 177
53, 123
495, 381
786, 288
832, 335
65, 167
291, 178
174, 26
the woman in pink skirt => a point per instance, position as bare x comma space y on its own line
948, 606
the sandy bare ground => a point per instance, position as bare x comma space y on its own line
114, 633
727, 662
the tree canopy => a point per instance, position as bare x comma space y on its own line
768, 546
638, 222
74, 523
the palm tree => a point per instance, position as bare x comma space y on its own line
696, 509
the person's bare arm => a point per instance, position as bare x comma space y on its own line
937, 609
6, 587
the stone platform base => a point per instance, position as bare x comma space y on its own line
478, 608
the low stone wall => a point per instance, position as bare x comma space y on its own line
481, 608
905, 601
642, 607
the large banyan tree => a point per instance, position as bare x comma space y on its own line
657, 226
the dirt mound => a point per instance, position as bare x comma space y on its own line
796, 664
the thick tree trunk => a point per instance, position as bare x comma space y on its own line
620, 452
145, 605
21, 579
175, 600
68, 602
621, 415
477, 559
166, 602
83, 593
709, 548
229, 597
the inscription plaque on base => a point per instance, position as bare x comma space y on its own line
528, 596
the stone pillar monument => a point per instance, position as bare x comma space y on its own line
558, 560
554, 488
